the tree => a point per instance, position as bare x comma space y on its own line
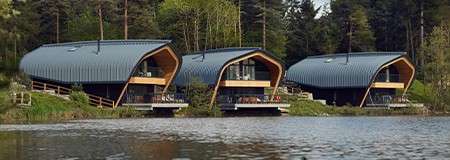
199, 95
84, 27
53, 16
351, 18
125, 19
141, 20
196, 25
5, 9
436, 54
303, 31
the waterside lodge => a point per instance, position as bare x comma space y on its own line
241, 78
113, 73
368, 79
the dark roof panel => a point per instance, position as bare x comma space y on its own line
79, 62
331, 71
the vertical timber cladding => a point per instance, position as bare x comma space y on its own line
165, 58
275, 70
406, 70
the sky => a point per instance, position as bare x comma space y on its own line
319, 3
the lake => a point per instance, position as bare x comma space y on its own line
231, 138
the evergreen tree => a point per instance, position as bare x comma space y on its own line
53, 17
351, 18
303, 31
142, 19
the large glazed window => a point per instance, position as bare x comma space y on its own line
388, 74
248, 69
148, 68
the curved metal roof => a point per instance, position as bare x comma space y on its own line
331, 71
79, 62
207, 69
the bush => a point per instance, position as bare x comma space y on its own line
420, 93
77, 87
308, 108
4, 81
79, 97
199, 95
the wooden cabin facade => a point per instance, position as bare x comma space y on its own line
128, 72
240, 77
366, 79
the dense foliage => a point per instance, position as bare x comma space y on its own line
199, 95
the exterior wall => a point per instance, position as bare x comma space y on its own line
338, 96
109, 91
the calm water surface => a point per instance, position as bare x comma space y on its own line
232, 138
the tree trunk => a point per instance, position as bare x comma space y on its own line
239, 24
350, 35
207, 32
57, 26
125, 21
411, 40
186, 43
100, 20
264, 26
196, 36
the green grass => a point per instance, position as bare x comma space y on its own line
311, 108
47, 108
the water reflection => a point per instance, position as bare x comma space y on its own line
236, 138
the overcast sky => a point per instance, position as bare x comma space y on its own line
319, 3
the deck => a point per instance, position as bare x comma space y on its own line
155, 106
237, 106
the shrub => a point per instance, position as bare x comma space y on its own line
77, 87
420, 93
199, 95
4, 81
79, 97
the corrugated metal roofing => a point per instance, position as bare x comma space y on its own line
207, 70
79, 62
331, 71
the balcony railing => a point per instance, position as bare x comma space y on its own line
250, 99
386, 99
383, 78
151, 72
259, 75
155, 98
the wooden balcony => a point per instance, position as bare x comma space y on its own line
147, 80
244, 83
395, 85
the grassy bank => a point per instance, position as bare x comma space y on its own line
47, 108
311, 108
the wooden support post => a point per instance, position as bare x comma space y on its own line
21, 97
57, 92
14, 97
45, 86
113, 105
32, 85
100, 101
